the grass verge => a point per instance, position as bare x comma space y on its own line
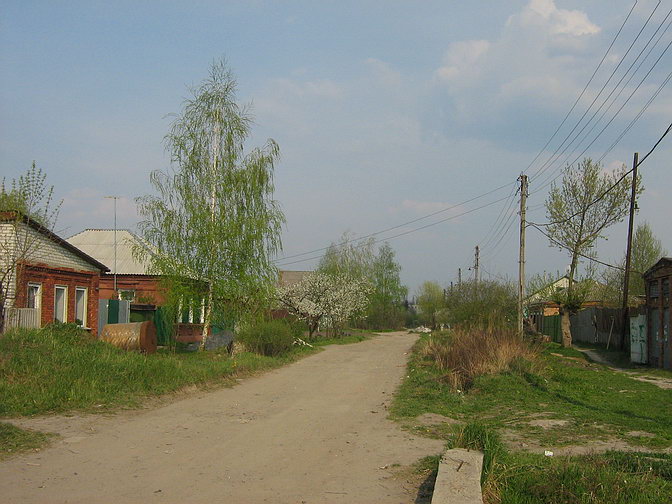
14, 440
59, 369
585, 402
557, 399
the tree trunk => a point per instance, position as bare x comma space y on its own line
566, 328
206, 320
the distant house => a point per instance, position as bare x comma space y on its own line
658, 305
48, 279
541, 302
287, 278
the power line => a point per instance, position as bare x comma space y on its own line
585, 88
636, 118
620, 92
611, 120
501, 218
611, 188
548, 181
406, 232
557, 153
578, 253
321, 249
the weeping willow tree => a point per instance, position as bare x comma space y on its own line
213, 226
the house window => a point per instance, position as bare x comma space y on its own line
60, 303
34, 295
81, 298
127, 295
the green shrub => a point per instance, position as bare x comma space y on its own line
485, 304
270, 338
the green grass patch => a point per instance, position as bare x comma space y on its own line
595, 401
610, 478
522, 478
59, 369
14, 440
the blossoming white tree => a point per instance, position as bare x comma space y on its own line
327, 300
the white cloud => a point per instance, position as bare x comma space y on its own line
558, 21
461, 57
536, 64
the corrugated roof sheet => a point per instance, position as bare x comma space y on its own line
99, 244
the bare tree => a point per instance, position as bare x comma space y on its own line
27, 197
586, 203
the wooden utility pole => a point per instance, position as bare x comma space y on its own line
459, 277
626, 279
521, 253
476, 254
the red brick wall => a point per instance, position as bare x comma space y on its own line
146, 287
49, 277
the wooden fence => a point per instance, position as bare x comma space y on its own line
28, 318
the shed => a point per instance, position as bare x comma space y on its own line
657, 280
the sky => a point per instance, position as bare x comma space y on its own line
385, 112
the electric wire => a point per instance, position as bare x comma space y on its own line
583, 91
391, 228
509, 204
558, 152
557, 243
611, 188
662, 85
545, 181
407, 232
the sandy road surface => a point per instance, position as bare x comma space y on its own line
313, 432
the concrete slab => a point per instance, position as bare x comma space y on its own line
459, 478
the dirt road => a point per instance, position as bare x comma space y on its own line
313, 432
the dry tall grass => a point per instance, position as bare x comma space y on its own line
467, 353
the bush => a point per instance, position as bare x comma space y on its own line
482, 304
467, 353
270, 338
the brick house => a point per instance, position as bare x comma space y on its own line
135, 282
45, 273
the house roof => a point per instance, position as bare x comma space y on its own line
288, 278
99, 243
662, 262
10, 216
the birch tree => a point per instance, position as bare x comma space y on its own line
213, 223
587, 202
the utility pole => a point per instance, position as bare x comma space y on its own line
115, 198
626, 279
521, 254
459, 277
476, 254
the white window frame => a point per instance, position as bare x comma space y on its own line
38, 296
85, 317
65, 302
